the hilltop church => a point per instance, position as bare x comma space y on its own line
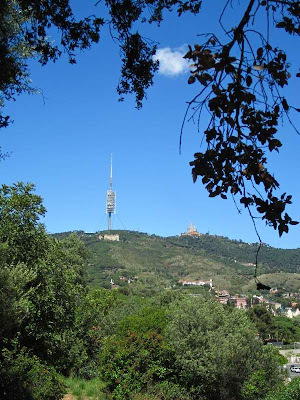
191, 231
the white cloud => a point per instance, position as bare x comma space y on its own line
171, 62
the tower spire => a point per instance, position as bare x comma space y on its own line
111, 172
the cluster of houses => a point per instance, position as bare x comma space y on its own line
114, 285
244, 302
224, 297
128, 280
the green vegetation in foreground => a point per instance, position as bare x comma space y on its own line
115, 345
289, 392
82, 388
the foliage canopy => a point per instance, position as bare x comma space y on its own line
172, 346
41, 283
241, 76
189, 349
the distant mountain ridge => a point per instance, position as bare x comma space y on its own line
160, 262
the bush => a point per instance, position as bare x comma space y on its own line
170, 391
288, 392
24, 377
216, 352
130, 364
136, 357
82, 388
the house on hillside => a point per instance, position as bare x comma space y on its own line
222, 293
129, 280
222, 299
240, 302
289, 294
222, 296
112, 237
276, 306
196, 283
291, 312
259, 300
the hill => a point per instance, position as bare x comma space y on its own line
154, 262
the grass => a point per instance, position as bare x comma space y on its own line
83, 389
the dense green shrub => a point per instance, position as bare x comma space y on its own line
24, 376
216, 351
168, 390
192, 348
130, 364
137, 355
279, 327
42, 282
288, 392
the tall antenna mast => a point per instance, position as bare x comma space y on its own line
110, 172
110, 198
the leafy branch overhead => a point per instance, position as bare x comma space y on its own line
240, 75
241, 81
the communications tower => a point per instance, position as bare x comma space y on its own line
110, 198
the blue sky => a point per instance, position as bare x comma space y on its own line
62, 141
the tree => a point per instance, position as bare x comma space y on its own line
22, 237
286, 329
42, 282
135, 357
23, 377
263, 319
275, 327
90, 330
190, 348
23, 35
241, 76
289, 392
217, 355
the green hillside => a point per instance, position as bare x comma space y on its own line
283, 280
156, 262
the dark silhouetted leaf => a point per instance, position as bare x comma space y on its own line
248, 80
285, 104
259, 53
261, 286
